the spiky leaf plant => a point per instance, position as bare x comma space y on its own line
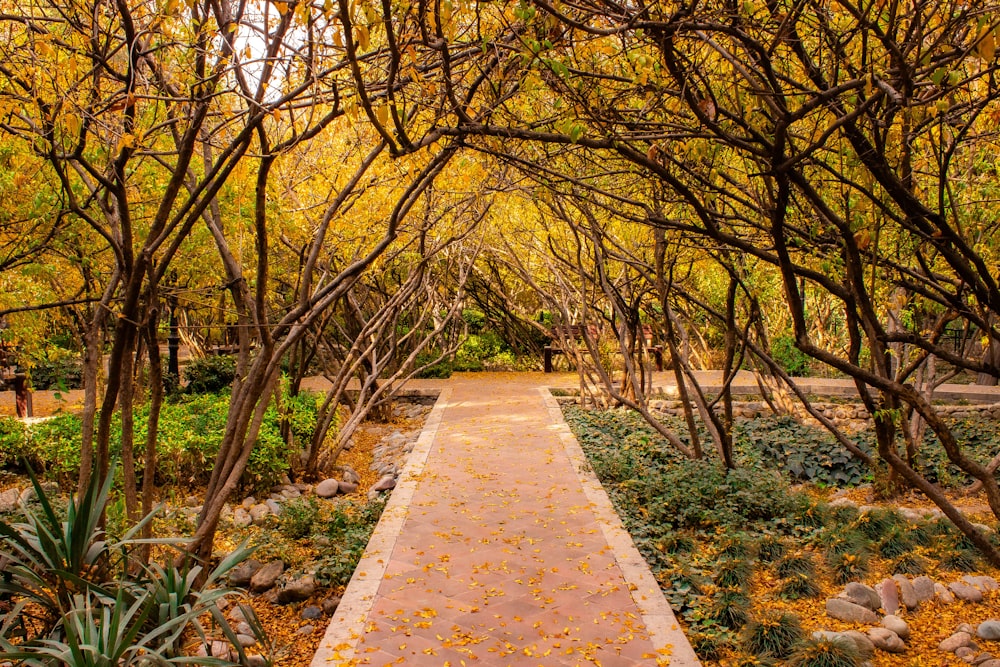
825, 653
771, 635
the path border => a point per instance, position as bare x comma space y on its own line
340, 642
654, 609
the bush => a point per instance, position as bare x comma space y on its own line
64, 373
790, 358
13, 441
298, 516
210, 374
772, 635
825, 653
349, 529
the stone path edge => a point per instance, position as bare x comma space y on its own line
340, 641
655, 611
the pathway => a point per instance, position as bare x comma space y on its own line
499, 547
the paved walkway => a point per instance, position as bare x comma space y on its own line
499, 547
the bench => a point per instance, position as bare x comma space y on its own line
572, 332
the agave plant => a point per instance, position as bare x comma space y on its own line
79, 599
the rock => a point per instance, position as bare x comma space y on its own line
265, 578
897, 625
311, 613
982, 583
248, 502
965, 653
305, 630
236, 615
274, 507
348, 487
981, 658
942, 594
327, 488
297, 589
964, 591
259, 512
886, 640
844, 610
863, 595
865, 646
990, 663
257, 661
242, 574
331, 603
924, 588
385, 484
220, 650
349, 475
989, 630
246, 640
243, 628
965, 627
906, 592
9, 501
983, 528
241, 518
889, 595
955, 642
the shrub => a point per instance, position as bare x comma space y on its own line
796, 564
910, 564
877, 523
771, 548
13, 441
772, 635
710, 644
825, 653
298, 516
963, 560
790, 358
799, 586
733, 573
349, 527
847, 566
895, 543
210, 374
54, 446
730, 609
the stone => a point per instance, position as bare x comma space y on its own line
865, 646
385, 484
327, 488
241, 518
259, 512
982, 583
9, 501
242, 574
889, 595
924, 588
257, 661
956, 641
348, 487
942, 594
990, 663
965, 627
863, 595
886, 640
897, 625
981, 658
331, 603
964, 591
348, 474
989, 630
248, 502
845, 610
965, 653
219, 649
906, 593
297, 589
311, 613
265, 578
305, 630
246, 640
243, 628
274, 507
236, 615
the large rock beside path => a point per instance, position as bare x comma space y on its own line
327, 488
265, 578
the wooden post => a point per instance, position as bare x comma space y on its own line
22, 397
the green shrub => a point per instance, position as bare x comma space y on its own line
799, 586
877, 523
298, 517
60, 374
349, 528
910, 564
13, 441
54, 446
771, 548
796, 564
895, 543
730, 609
847, 566
710, 644
772, 635
825, 653
210, 374
732, 573
790, 358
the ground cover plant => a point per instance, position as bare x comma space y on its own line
747, 558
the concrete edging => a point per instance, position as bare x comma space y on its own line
654, 609
340, 641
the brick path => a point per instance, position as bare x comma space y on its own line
498, 547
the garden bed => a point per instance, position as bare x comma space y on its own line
734, 552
